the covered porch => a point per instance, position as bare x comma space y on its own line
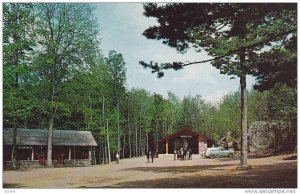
69, 148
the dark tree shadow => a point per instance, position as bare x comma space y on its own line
290, 158
282, 175
178, 169
12, 185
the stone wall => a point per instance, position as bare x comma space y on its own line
82, 162
23, 164
26, 164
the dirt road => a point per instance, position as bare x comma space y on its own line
267, 172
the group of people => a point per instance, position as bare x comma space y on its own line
183, 154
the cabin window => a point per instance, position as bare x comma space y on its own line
81, 153
24, 152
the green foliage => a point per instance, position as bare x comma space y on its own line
282, 103
52, 66
224, 31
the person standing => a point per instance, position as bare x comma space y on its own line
175, 154
148, 156
181, 154
190, 154
152, 156
117, 158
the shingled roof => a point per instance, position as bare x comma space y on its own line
40, 137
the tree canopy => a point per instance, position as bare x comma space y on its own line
55, 76
223, 30
236, 35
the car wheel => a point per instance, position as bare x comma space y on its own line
230, 155
212, 156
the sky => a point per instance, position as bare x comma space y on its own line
122, 25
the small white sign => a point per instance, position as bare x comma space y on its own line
186, 136
25, 147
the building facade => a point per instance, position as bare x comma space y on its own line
186, 139
69, 147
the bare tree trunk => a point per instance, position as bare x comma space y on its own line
103, 153
147, 145
136, 142
14, 147
140, 132
124, 142
103, 120
105, 150
129, 134
49, 152
118, 126
156, 134
100, 152
91, 115
51, 121
140, 142
244, 130
107, 139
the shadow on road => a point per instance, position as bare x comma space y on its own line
12, 186
282, 175
179, 169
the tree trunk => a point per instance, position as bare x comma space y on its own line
107, 139
91, 114
51, 121
100, 152
124, 141
16, 38
147, 145
136, 142
244, 130
13, 151
49, 152
140, 142
129, 134
156, 134
118, 126
140, 131
105, 151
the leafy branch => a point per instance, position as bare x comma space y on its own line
156, 68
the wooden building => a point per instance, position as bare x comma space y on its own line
186, 139
69, 147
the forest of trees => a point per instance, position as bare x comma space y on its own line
55, 77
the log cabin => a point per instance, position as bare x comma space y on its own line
69, 147
186, 139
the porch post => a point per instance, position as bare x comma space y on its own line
199, 145
70, 153
167, 147
32, 153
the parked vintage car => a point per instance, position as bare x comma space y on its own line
218, 152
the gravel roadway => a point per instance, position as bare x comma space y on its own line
266, 172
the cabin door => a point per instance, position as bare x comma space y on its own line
60, 158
